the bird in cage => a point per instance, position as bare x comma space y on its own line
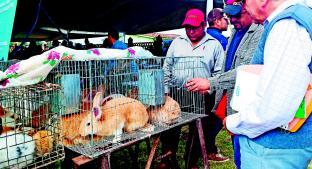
44, 142
40, 116
114, 116
9, 120
167, 113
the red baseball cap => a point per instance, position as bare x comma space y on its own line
194, 17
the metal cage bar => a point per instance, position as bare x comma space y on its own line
134, 107
28, 137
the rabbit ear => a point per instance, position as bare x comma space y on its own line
110, 97
96, 109
97, 99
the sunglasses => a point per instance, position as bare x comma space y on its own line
238, 16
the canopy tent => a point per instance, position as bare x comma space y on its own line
129, 16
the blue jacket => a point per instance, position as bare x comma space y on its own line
277, 138
111, 64
217, 34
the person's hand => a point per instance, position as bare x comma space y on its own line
201, 85
224, 124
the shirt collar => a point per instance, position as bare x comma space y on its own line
281, 8
205, 38
208, 37
214, 29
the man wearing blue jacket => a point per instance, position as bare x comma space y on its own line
217, 23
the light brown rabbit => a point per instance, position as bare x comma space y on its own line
166, 113
67, 127
115, 115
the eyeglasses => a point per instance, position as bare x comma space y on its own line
193, 28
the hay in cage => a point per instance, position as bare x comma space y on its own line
110, 104
28, 139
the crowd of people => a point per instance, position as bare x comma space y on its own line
23, 51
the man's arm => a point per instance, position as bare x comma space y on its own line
225, 80
202, 85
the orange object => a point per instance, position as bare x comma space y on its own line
221, 109
296, 123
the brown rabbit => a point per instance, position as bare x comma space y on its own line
166, 113
69, 127
114, 116
70, 123
66, 127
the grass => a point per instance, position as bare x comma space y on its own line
121, 159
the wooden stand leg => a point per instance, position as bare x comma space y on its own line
202, 143
105, 161
148, 148
152, 153
80, 160
189, 154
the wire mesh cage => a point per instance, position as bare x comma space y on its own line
28, 137
110, 104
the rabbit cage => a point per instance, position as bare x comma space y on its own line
112, 103
28, 137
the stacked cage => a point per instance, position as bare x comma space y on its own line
28, 137
110, 104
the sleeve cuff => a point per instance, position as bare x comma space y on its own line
234, 125
213, 84
232, 121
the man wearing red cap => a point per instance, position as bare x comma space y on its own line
196, 43
241, 47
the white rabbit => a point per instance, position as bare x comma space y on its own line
16, 149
